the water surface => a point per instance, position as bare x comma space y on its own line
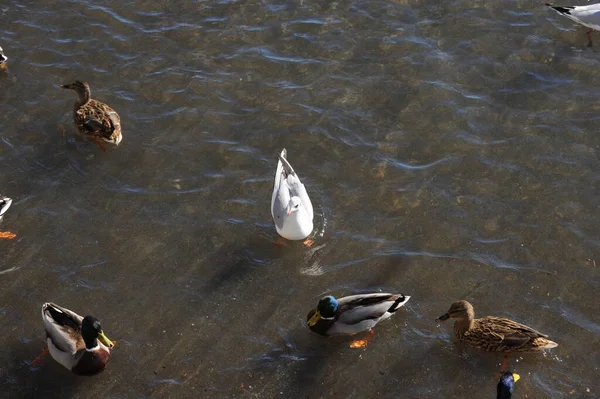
450, 151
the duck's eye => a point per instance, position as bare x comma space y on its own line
296, 206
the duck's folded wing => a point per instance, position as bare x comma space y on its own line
297, 189
62, 327
114, 119
510, 333
589, 15
357, 308
93, 125
279, 203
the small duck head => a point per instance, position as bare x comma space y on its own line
506, 385
81, 88
3, 58
91, 331
325, 310
458, 310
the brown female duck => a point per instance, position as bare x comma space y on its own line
494, 334
93, 118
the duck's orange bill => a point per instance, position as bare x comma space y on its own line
7, 235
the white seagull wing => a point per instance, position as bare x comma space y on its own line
281, 194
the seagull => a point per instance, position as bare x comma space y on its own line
291, 208
4, 205
585, 15
3, 58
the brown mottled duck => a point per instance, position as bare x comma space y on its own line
494, 334
94, 119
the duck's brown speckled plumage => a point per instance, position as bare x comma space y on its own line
494, 334
93, 118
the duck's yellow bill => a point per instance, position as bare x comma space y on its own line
313, 320
104, 339
516, 377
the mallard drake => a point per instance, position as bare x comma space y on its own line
76, 342
4, 205
291, 208
353, 314
93, 118
3, 58
494, 334
506, 385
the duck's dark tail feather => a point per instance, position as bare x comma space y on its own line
396, 305
560, 10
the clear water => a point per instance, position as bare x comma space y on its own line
450, 149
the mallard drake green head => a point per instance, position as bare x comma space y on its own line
78, 343
94, 118
506, 385
494, 334
91, 332
353, 314
326, 309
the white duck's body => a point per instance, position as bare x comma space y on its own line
585, 15
291, 208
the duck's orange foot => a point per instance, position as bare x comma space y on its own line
38, 361
308, 243
7, 235
362, 343
279, 243
99, 144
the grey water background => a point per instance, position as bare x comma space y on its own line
450, 150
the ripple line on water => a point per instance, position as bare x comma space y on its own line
407, 166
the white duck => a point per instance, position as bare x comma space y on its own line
291, 208
588, 16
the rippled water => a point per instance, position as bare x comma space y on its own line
450, 151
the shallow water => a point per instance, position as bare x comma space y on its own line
450, 152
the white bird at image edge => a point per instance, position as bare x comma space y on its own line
585, 15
